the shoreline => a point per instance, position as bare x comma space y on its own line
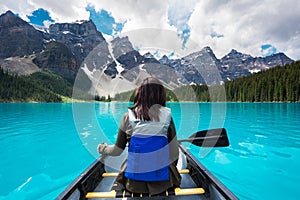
85, 101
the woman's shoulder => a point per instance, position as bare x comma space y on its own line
165, 109
124, 121
125, 116
165, 112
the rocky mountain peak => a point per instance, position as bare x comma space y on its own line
149, 58
9, 12
148, 55
80, 37
234, 54
79, 28
9, 19
205, 53
121, 46
207, 49
67, 45
17, 37
164, 60
8, 15
277, 59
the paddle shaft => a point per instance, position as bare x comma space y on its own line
200, 138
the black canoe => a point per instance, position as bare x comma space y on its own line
97, 180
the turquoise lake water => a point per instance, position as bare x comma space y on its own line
45, 146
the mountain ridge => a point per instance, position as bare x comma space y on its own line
17, 37
71, 48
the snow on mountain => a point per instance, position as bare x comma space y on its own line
69, 49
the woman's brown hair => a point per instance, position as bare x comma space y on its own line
148, 98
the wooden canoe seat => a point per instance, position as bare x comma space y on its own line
107, 174
125, 193
115, 194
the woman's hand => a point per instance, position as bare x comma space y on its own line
101, 147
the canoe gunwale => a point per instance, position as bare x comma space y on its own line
92, 176
86, 181
206, 178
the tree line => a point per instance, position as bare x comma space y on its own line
23, 89
42, 86
273, 85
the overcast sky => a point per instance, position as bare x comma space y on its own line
255, 27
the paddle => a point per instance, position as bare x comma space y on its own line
209, 138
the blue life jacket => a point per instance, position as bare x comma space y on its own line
148, 152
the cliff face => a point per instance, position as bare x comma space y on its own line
236, 64
67, 45
61, 48
81, 37
17, 37
66, 48
59, 59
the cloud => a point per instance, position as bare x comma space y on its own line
136, 14
247, 25
221, 24
60, 11
63, 11
179, 13
22, 8
138, 17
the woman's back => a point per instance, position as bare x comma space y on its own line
153, 149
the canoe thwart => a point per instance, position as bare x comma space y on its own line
114, 174
110, 174
111, 194
115, 194
184, 171
188, 191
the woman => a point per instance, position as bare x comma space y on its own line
153, 149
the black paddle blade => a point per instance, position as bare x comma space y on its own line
210, 138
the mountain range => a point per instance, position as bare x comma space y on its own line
80, 54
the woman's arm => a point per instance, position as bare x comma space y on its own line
173, 143
119, 146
